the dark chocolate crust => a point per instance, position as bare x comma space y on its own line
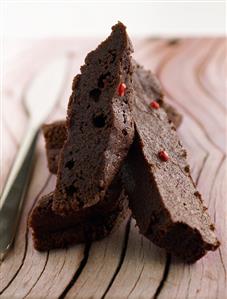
51, 231
162, 196
99, 125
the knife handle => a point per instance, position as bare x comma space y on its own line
15, 189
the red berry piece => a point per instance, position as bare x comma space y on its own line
121, 89
163, 155
155, 105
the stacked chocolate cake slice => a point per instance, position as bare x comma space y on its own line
118, 151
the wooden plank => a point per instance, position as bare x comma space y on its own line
207, 278
141, 271
126, 265
104, 258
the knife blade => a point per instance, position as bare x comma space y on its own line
39, 101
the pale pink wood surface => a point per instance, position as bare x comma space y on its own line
124, 265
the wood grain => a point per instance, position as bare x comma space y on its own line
124, 265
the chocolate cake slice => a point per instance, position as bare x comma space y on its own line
51, 230
162, 196
99, 125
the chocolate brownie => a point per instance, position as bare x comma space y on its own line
99, 125
51, 230
162, 196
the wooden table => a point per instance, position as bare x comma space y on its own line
124, 265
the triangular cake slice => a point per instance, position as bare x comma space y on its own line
100, 129
162, 196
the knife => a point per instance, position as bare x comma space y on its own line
38, 102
